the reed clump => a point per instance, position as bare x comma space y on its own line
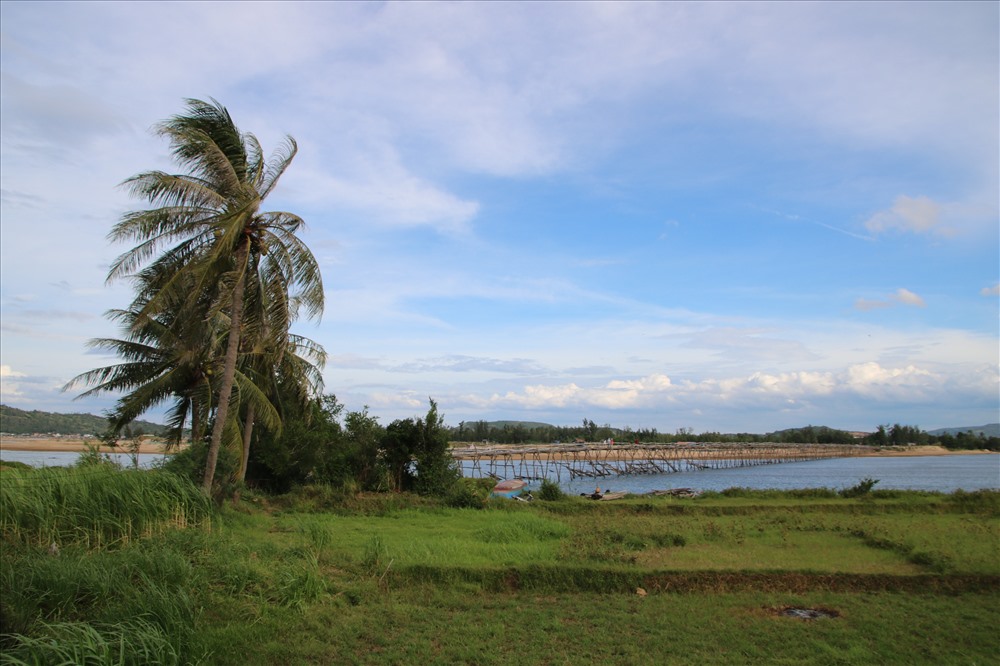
97, 506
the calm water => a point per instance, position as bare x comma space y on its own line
67, 458
940, 473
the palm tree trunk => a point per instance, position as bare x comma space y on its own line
195, 421
247, 431
228, 368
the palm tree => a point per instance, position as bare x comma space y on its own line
291, 373
209, 226
270, 355
159, 362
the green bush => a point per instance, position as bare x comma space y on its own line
190, 464
863, 488
550, 491
467, 494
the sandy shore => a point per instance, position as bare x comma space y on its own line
72, 444
76, 444
695, 451
926, 451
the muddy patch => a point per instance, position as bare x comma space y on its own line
801, 613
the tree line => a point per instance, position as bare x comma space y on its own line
24, 422
588, 431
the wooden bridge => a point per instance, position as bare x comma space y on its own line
571, 461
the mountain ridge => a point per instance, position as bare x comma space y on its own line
21, 422
989, 430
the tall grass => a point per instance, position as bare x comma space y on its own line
97, 506
135, 642
136, 594
78, 583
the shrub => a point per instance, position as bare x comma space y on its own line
863, 488
376, 556
550, 491
466, 494
190, 464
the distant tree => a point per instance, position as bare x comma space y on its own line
303, 450
416, 455
878, 438
360, 458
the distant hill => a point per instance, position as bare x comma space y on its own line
19, 422
989, 430
817, 429
527, 425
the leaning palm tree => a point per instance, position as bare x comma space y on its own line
270, 355
208, 225
162, 358
291, 373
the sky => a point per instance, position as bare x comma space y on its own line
729, 217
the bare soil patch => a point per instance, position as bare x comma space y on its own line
807, 613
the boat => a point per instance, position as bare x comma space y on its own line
510, 488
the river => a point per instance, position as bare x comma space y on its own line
937, 473
67, 458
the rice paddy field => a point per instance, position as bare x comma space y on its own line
105, 566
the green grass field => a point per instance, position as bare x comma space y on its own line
322, 577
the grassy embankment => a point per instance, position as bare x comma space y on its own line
147, 572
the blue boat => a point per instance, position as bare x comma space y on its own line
509, 489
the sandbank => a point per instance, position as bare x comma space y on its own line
71, 444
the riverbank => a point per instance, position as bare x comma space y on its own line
907, 578
464, 451
72, 445
914, 451
79, 445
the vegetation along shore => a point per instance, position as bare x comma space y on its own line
109, 566
460, 449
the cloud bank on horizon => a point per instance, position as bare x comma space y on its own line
718, 216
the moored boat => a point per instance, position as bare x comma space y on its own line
510, 488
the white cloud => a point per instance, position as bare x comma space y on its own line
404, 401
907, 297
373, 181
863, 382
865, 304
651, 383
6, 371
871, 377
916, 214
465, 363
10, 388
991, 291
903, 296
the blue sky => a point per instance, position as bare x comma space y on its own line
733, 217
